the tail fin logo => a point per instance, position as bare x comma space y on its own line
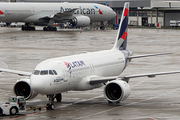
100, 12
1, 13
121, 38
125, 33
124, 25
125, 12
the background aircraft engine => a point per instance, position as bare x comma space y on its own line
117, 90
80, 21
23, 88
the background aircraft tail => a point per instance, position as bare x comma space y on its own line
121, 39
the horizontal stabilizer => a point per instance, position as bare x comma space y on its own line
148, 55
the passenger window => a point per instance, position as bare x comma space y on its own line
50, 72
44, 72
55, 72
36, 72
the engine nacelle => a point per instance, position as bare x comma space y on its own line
23, 88
80, 21
117, 90
84, 84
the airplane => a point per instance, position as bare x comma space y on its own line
46, 14
85, 71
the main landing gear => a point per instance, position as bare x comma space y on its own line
28, 28
50, 28
50, 105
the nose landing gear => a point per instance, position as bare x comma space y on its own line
50, 105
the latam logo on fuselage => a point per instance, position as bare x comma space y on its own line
75, 64
84, 11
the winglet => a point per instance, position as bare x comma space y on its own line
121, 39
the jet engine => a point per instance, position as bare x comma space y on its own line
117, 90
23, 88
80, 21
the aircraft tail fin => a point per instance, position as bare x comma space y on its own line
121, 39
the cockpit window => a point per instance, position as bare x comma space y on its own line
36, 72
50, 72
44, 72
55, 72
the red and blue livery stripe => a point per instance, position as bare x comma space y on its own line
123, 30
100, 12
1, 13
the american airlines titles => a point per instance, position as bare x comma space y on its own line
79, 10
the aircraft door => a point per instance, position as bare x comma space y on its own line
33, 10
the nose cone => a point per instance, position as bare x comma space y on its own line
38, 84
111, 14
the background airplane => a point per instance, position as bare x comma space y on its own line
84, 71
46, 14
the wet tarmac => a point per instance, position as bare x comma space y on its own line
151, 98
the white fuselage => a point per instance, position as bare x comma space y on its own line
33, 12
102, 63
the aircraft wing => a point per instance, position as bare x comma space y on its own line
21, 73
60, 15
97, 80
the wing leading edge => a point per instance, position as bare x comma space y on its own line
97, 80
21, 73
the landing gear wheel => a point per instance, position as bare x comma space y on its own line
50, 28
58, 97
102, 28
54, 28
50, 106
28, 28
23, 28
51, 98
33, 29
44, 29
1, 112
13, 111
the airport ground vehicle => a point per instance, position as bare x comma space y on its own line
18, 105
13, 106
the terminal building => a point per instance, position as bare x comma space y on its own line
142, 12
